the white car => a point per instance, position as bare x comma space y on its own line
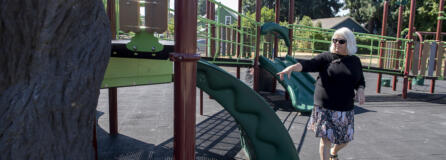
201, 46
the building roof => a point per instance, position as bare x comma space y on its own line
230, 13
330, 23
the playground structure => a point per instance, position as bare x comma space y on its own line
129, 67
386, 55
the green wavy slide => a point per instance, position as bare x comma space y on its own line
263, 131
300, 86
276, 29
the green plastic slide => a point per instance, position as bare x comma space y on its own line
263, 131
290, 60
300, 89
278, 30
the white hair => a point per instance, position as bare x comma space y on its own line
349, 36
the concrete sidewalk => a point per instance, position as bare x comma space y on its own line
387, 127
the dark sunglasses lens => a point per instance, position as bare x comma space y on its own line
341, 41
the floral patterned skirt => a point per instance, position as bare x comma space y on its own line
336, 126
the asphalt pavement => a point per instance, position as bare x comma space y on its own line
387, 127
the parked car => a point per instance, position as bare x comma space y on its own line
201, 46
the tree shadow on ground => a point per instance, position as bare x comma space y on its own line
217, 137
279, 103
120, 146
360, 110
411, 97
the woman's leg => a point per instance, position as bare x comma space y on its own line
336, 148
324, 148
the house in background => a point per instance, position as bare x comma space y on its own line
227, 17
223, 16
339, 22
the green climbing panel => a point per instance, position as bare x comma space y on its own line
123, 72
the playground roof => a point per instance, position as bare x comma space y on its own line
337, 22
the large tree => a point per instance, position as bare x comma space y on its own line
53, 57
311, 8
365, 11
369, 12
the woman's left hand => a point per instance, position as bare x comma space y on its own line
360, 95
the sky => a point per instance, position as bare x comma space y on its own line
233, 4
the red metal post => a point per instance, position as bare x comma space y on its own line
398, 35
291, 21
201, 102
276, 42
381, 50
420, 51
208, 27
111, 12
113, 109
113, 105
439, 21
256, 59
409, 48
208, 16
112, 92
185, 68
239, 26
437, 39
211, 16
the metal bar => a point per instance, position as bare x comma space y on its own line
409, 49
201, 102
420, 50
218, 36
398, 35
329, 31
381, 50
276, 40
113, 110
276, 43
290, 22
433, 33
208, 28
112, 101
185, 69
439, 21
239, 27
111, 12
438, 39
212, 17
256, 59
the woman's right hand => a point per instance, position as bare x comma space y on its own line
296, 67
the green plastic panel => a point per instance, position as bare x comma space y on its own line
301, 93
266, 136
123, 72
280, 31
144, 42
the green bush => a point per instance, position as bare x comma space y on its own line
365, 41
322, 46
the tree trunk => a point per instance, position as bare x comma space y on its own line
53, 56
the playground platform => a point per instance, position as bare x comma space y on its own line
386, 126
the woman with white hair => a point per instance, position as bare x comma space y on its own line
340, 75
